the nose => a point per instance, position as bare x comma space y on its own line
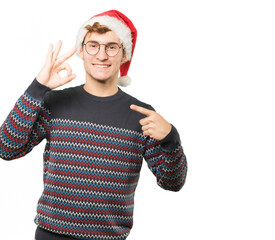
101, 55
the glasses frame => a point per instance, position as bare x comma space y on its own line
84, 44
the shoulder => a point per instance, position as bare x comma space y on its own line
54, 97
133, 100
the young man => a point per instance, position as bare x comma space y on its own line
97, 136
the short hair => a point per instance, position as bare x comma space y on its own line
97, 28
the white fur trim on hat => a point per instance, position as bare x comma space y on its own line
119, 28
124, 81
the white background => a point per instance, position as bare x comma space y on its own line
205, 66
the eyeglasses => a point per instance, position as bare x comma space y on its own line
93, 47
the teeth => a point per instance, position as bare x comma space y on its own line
101, 66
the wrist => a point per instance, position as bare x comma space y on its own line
171, 140
166, 131
37, 90
39, 79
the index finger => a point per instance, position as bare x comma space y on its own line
142, 110
56, 50
66, 56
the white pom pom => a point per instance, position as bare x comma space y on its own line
124, 81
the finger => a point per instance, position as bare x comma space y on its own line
145, 127
147, 133
67, 79
65, 66
142, 110
57, 50
66, 56
50, 52
145, 121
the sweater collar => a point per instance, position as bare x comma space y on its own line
83, 92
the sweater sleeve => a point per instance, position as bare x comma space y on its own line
27, 124
166, 160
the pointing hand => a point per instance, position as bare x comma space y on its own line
154, 125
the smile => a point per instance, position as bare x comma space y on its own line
101, 65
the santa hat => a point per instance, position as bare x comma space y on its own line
123, 28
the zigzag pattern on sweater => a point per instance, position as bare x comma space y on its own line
19, 133
91, 173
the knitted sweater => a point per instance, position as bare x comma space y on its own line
92, 159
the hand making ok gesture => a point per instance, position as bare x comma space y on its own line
154, 125
49, 74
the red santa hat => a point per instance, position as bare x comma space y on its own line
123, 28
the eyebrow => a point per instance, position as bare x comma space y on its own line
103, 43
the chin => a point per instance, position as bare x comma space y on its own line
100, 77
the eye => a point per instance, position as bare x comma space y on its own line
112, 46
92, 45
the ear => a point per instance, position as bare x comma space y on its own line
81, 53
124, 59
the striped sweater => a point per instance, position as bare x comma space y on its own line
92, 159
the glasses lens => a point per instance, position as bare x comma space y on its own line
112, 49
92, 47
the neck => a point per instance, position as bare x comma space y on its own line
100, 88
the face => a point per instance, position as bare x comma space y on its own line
101, 67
